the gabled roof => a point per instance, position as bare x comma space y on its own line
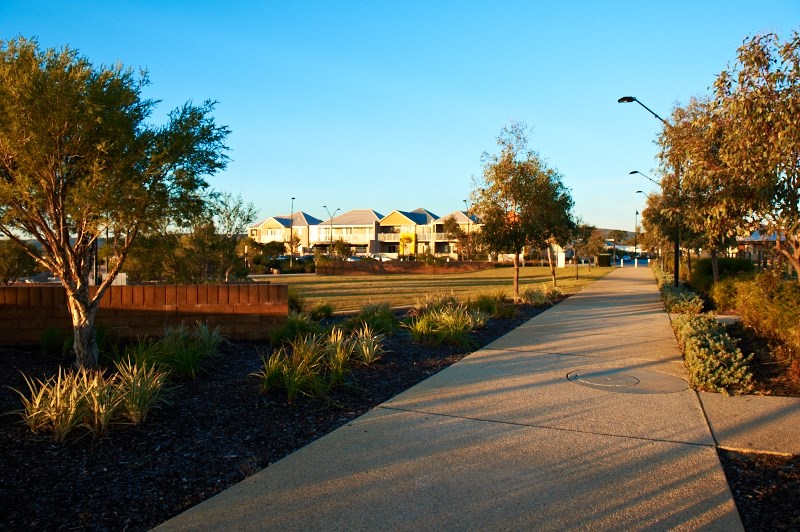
297, 219
416, 217
461, 217
355, 217
428, 215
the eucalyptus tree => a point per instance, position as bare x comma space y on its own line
713, 196
78, 159
759, 98
520, 200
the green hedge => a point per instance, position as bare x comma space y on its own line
702, 278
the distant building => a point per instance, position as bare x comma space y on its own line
282, 227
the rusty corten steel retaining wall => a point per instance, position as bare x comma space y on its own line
243, 311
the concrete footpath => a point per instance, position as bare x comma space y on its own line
579, 419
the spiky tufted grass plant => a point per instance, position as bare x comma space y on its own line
448, 325
140, 388
314, 364
339, 349
90, 399
369, 345
379, 316
56, 405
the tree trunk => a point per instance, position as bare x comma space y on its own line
516, 276
714, 265
791, 252
552, 266
84, 338
688, 263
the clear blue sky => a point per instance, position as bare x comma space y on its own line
390, 104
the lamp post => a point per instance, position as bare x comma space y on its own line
330, 249
469, 229
291, 235
645, 193
635, 233
630, 99
645, 176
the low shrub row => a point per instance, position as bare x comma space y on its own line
713, 360
677, 299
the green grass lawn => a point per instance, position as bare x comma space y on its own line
351, 292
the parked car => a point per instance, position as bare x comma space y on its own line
381, 257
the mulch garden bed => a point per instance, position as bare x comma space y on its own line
218, 430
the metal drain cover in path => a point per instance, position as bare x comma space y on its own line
627, 380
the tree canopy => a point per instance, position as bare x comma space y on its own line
521, 201
77, 159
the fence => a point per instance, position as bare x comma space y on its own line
243, 311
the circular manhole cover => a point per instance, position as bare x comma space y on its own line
627, 380
611, 378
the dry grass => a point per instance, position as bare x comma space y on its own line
351, 292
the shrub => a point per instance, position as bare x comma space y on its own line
497, 306
295, 326
182, 351
534, 296
379, 316
320, 311
541, 295
680, 300
297, 303
713, 361
723, 294
701, 278
771, 307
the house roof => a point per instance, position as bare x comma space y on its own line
461, 217
355, 217
756, 236
427, 215
297, 219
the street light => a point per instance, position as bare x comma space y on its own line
645, 176
291, 234
469, 230
330, 249
645, 193
629, 99
677, 251
635, 232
